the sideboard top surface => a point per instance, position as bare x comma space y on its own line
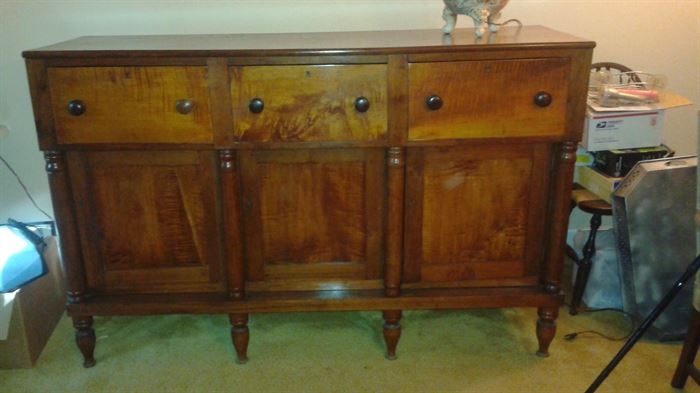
328, 43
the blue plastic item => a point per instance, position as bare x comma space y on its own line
21, 256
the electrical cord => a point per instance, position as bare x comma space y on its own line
572, 336
520, 24
24, 187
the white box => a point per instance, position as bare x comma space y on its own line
32, 313
627, 127
622, 130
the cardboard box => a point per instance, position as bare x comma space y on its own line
598, 183
622, 130
627, 127
33, 313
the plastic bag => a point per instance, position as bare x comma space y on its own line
21, 256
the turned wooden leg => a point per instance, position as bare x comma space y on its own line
240, 336
392, 332
85, 338
690, 349
546, 328
584, 266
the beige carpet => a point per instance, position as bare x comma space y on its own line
454, 351
479, 351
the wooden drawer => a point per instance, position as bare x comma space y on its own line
130, 104
309, 103
487, 99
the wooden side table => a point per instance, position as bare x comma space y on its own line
589, 203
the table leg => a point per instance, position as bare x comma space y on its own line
584, 266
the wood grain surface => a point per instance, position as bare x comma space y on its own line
492, 99
314, 213
311, 204
148, 221
297, 44
131, 104
469, 209
310, 103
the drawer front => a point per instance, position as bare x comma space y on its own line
309, 103
131, 104
487, 99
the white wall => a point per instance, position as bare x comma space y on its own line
656, 36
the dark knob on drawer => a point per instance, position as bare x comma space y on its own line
362, 104
256, 105
184, 107
76, 107
543, 99
433, 102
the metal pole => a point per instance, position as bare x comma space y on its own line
644, 326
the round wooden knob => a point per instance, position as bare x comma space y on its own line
76, 107
434, 102
362, 104
543, 99
256, 105
184, 106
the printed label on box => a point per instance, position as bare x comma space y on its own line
622, 130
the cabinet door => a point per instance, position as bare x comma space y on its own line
312, 216
147, 220
475, 214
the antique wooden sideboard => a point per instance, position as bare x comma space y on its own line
236, 174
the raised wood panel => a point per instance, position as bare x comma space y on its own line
305, 207
131, 104
487, 99
468, 213
148, 220
313, 214
310, 102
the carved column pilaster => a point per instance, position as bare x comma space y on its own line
62, 198
227, 160
559, 212
54, 161
232, 224
396, 163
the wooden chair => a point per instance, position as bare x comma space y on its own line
592, 204
685, 367
617, 67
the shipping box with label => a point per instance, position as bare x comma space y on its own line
627, 127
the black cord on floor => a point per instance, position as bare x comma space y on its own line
572, 336
26, 191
